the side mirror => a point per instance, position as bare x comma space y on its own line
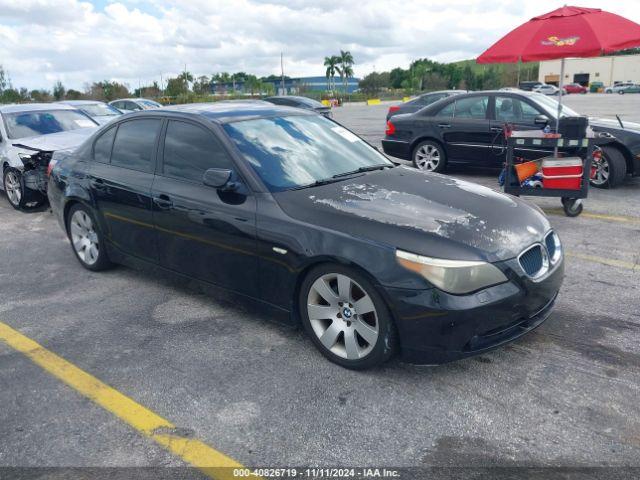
541, 120
219, 178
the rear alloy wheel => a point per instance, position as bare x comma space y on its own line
346, 318
429, 156
12, 181
610, 168
86, 240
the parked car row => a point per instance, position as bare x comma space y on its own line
294, 211
467, 129
31, 134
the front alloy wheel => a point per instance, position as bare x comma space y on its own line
346, 318
13, 187
429, 156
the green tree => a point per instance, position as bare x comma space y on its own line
374, 83
346, 68
202, 85
58, 91
40, 96
332, 68
175, 87
397, 76
73, 94
4, 80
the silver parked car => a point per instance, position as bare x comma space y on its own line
99, 111
134, 104
30, 135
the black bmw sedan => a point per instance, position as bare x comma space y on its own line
291, 209
467, 130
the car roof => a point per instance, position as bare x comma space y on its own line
443, 91
227, 111
79, 102
33, 107
132, 99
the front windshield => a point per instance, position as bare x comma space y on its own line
33, 124
551, 105
296, 151
99, 110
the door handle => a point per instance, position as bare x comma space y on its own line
163, 202
444, 125
496, 129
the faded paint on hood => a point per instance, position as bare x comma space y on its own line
55, 141
422, 212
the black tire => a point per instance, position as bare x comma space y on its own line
621, 92
102, 261
422, 149
386, 343
8, 175
617, 166
572, 207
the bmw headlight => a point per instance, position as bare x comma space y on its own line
452, 276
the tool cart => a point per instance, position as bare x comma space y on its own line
565, 175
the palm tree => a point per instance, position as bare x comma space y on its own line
332, 67
346, 62
186, 78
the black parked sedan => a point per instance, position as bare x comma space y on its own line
295, 211
421, 101
300, 102
468, 129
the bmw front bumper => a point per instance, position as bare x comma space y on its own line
436, 327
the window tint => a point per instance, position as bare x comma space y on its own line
510, 109
102, 147
447, 111
190, 150
134, 144
471, 107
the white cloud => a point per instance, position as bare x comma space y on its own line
138, 40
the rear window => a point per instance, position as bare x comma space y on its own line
33, 124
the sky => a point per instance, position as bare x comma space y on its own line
139, 41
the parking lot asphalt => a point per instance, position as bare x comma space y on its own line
222, 372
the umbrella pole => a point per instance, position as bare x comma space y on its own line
560, 85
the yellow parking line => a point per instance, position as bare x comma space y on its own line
605, 261
211, 462
597, 216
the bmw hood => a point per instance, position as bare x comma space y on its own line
55, 141
611, 125
424, 213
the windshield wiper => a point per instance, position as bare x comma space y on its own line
338, 176
317, 183
370, 168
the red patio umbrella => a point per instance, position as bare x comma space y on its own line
562, 33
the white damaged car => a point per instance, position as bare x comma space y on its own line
30, 134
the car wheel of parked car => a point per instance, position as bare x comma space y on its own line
12, 182
86, 240
610, 168
346, 318
430, 156
621, 92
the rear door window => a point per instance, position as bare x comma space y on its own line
134, 144
472, 107
447, 111
190, 150
102, 147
